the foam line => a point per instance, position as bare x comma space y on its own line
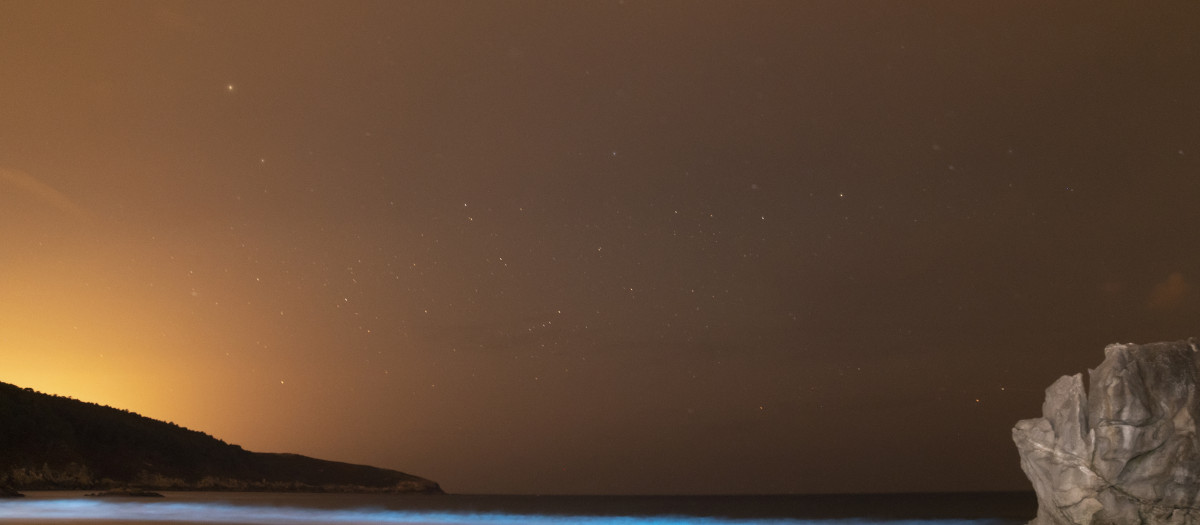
85, 510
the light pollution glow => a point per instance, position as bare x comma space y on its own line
596, 247
102, 317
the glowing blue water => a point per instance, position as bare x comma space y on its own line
88, 510
252, 508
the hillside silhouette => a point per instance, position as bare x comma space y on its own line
51, 442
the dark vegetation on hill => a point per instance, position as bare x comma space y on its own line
50, 442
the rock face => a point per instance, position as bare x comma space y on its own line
1126, 451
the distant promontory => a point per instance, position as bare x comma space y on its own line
57, 443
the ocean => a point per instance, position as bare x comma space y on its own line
63, 508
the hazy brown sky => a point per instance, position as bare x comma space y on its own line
598, 247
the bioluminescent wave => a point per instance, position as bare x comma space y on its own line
83, 510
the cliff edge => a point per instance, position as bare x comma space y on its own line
1125, 451
50, 443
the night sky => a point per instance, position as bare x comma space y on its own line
601, 246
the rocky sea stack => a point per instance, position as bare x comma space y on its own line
1125, 451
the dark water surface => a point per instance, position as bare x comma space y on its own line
55, 508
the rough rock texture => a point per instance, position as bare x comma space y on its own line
1126, 451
